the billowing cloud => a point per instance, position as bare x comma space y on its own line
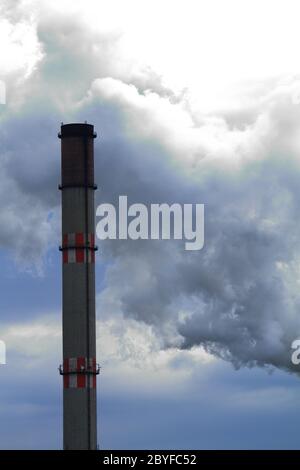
238, 297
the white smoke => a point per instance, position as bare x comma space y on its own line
238, 297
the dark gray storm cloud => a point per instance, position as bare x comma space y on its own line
238, 297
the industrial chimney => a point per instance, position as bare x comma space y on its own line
79, 367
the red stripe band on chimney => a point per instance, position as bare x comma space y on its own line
75, 249
66, 370
77, 374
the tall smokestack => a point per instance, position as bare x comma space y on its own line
79, 367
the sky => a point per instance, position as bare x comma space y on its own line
193, 102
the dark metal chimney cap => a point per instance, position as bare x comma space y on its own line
77, 130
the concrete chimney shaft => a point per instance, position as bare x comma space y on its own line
79, 368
